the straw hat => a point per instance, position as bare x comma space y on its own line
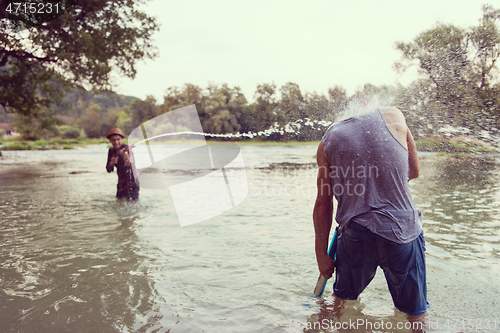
115, 131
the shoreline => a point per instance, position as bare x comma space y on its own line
454, 146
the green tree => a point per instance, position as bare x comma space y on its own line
222, 109
317, 108
423, 114
96, 122
176, 98
460, 65
263, 111
92, 121
337, 95
124, 122
81, 47
36, 127
143, 110
291, 105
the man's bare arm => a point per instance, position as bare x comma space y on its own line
323, 214
396, 123
412, 156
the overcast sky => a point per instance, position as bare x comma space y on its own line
316, 44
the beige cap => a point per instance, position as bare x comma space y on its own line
115, 131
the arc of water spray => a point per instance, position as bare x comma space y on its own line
274, 129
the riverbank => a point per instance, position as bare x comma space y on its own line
51, 144
456, 145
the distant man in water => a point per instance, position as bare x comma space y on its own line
121, 156
366, 162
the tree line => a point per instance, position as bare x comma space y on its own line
458, 83
222, 109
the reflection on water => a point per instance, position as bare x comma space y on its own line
67, 261
460, 200
337, 315
73, 259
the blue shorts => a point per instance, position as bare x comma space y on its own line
360, 251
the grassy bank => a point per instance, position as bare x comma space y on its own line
455, 145
51, 144
59, 143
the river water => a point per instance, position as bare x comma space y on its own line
74, 259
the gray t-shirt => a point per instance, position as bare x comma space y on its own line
369, 171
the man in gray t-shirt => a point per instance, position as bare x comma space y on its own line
365, 162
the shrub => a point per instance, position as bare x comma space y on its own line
15, 146
42, 143
72, 133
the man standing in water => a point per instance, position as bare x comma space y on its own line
121, 156
366, 162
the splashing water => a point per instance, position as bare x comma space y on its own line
357, 107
